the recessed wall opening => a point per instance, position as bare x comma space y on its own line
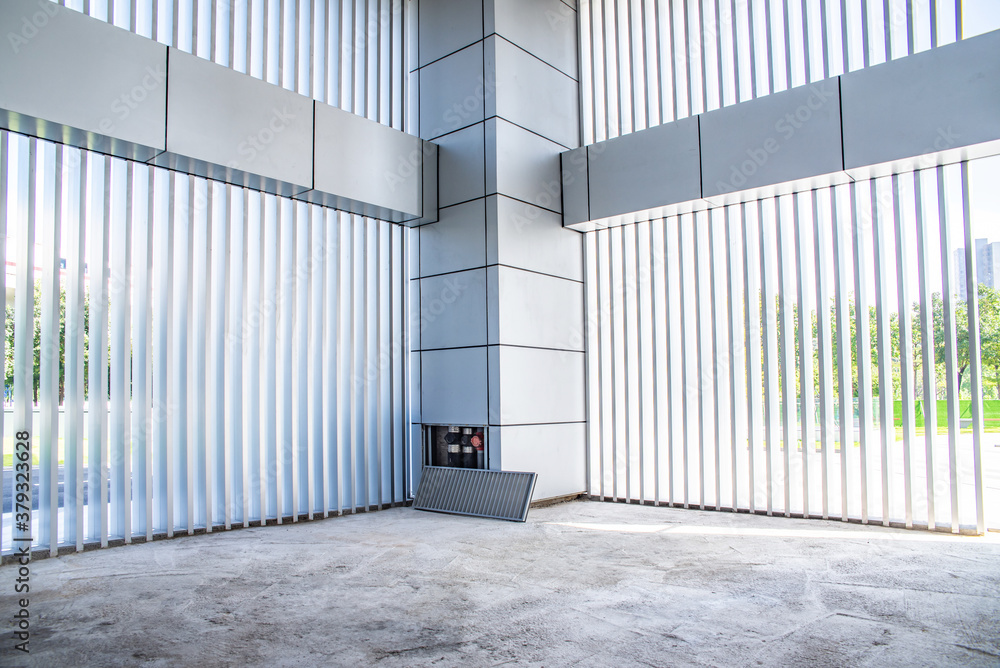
455, 446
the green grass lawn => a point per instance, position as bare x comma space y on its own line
991, 416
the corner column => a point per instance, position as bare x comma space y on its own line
498, 278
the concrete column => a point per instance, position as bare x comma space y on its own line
500, 280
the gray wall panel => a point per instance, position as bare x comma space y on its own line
932, 101
575, 186
462, 165
456, 242
453, 386
460, 92
387, 167
445, 26
453, 310
229, 119
782, 137
645, 169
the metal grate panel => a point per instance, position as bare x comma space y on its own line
502, 495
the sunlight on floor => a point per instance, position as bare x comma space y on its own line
873, 533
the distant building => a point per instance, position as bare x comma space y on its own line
987, 266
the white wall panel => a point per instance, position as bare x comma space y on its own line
539, 310
351, 54
522, 235
244, 124
522, 165
531, 93
546, 28
526, 401
561, 464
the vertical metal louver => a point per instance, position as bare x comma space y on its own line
501, 495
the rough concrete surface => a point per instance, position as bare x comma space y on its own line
584, 583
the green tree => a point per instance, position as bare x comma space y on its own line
989, 326
37, 340
989, 332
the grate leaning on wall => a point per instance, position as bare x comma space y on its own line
500, 495
205, 356
792, 355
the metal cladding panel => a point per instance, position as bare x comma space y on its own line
545, 28
462, 165
533, 94
501, 495
384, 168
559, 451
453, 386
232, 121
532, 238
539, 310
453, 310
644, 170
522, 165
461, 92
575, 188
790, 135
447, 26
537, 386
77, 80
456, 242
933, 101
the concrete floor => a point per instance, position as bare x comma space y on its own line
584, 583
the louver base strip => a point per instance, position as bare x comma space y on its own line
502, 495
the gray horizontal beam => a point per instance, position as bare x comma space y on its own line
936, 107
72, 79
941, 101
